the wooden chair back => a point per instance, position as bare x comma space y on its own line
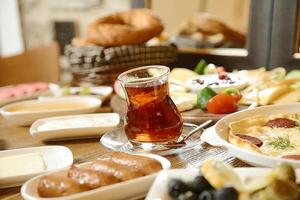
34, 65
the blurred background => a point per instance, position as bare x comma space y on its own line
258, 31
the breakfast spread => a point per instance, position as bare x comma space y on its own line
164, 106
275, 135
20, 165
101, 172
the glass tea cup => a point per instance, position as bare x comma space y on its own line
152, 117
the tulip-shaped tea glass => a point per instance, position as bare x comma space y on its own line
152, 118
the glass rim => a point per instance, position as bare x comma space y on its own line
141, 68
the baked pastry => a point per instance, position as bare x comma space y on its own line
131, 27
101, 172
209, 25
275, 135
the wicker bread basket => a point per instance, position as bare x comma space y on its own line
98, 65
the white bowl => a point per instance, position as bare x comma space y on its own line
240, 82
217, 135
101, 92
74, 126
159, 188
137, 187
28, 117
55, 157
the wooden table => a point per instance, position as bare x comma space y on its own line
13, 137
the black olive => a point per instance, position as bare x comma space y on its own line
177, 187
207, 195
189, 195
228, 193
200, 184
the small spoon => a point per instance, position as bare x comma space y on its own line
182, 139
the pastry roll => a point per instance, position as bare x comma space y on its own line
143, 164
89, 178
119, 171
57, 185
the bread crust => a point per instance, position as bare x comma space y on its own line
131, 27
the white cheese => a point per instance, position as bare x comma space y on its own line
77, 122
19, 165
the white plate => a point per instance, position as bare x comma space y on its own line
159, 190
217, 135
240, 82
55, 157
124, 190
76, 126
27, 118
101, 92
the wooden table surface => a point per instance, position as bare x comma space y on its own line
13, 137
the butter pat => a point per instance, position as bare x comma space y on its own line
19, 165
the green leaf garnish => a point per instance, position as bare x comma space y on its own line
199, 69
281, 143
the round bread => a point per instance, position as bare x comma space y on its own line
132, 27
209, 24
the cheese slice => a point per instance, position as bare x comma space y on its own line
19, 165
291, 97
184, 101
268, 95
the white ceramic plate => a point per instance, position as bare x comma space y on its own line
159, 190
101, 92
28, 117
217, 135
239, 82
55, 157
74, 126
124, 190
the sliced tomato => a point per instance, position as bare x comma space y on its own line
222, 104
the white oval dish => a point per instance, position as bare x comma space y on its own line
74, 126
101, 92
24, 118
217, 135
159, 188
240, 82
55, 157
125, 190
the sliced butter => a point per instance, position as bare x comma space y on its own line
19, 165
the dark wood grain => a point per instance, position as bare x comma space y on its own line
13, 137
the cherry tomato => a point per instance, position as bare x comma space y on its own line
237, 97
222, 104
